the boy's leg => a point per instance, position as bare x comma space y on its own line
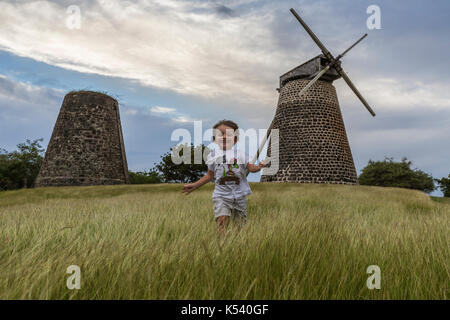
222, 223
240, 211
239, 217
222, 213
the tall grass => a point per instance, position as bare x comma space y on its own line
301, 241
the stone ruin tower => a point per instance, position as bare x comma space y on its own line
313, 145
86, 146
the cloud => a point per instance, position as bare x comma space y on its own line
172, 114
176, 45
384, 94
182, 119
158, 109
131, 112
184, 47
159, 112
26, 112
26, 93
164, 44
225, 11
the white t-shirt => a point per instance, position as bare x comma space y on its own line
229, 173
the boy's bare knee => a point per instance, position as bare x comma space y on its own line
223, 220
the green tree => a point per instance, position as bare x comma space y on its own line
143, 177
388, 173
444, 185
5, 181
20, 168
183, 172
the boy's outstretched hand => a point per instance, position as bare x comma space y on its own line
188, 188
263, 164
256, 168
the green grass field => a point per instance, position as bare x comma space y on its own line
302, 241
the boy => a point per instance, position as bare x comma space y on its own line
228, 166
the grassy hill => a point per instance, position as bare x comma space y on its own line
302, 241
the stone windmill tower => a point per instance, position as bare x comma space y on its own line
313, 145
86, 147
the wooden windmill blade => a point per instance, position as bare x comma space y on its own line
336, 66
352, 86
313, 36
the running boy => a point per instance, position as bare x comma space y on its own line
228, 166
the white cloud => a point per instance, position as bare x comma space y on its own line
187, 47
182, 119
165, 44
131, 112
172, 113
384, 94
159, 109
23, 93
26, 112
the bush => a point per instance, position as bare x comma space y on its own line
19, 169
183, 172
143, 177
444, 185
388, 173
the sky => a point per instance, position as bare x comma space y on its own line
169, 63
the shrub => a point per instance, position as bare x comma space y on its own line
388, 173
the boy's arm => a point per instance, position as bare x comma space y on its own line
188, 188
205, 179
255, 168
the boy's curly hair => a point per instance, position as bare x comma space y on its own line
230, 124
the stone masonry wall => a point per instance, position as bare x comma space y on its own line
313, 145
86, 147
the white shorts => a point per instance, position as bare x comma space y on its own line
235, 208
